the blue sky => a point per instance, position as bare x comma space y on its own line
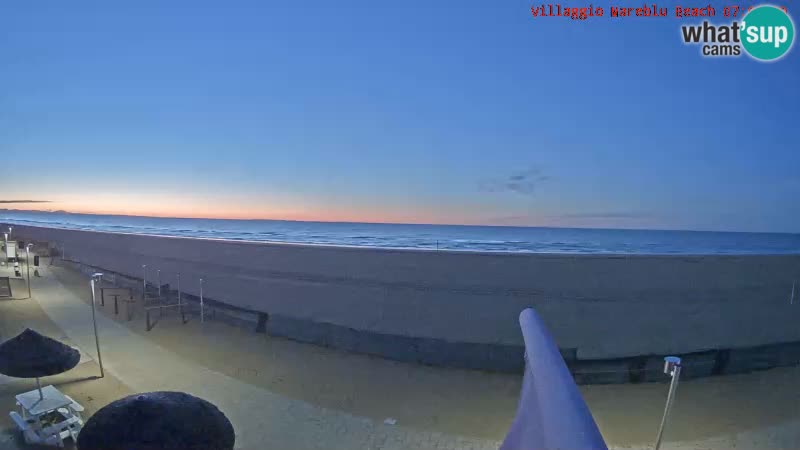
412, 111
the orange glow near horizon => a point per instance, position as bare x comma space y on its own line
220, 208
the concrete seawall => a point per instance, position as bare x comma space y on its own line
461, 309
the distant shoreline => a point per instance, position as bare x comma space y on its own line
665, 230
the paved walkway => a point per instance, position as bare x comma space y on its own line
261, 418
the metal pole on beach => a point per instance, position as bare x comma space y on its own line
672, 367
96, 276
202, 307
144, 283
28, 266
158, 281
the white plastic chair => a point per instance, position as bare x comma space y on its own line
76, 408
55, 434
28, 432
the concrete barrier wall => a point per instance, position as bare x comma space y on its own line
464, 306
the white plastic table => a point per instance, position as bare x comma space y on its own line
34, 406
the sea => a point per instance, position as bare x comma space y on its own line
429, 237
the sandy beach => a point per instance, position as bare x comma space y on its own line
725, 313
757, 410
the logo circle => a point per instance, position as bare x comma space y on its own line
767, 33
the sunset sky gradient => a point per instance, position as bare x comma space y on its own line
468, 112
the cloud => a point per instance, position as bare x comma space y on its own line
526, 182
24, 201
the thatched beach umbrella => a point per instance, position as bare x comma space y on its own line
158, 421
31, 355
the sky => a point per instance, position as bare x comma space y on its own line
467, 112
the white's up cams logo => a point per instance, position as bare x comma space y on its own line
766, 33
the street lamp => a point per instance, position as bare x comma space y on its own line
672, 367
28, 266
144, 283
96, 277
202, 308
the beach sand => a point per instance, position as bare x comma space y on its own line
473, 403
598, 307
757, 410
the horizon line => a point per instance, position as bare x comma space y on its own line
393, 223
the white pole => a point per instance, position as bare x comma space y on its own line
791, 300
94, 323
28, 266
672, 366
202, 307
144, 283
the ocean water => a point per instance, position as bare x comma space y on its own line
433, 237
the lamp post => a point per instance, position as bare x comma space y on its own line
202, 308
144, 283
28, 266
672, 367
7, 235
96, 277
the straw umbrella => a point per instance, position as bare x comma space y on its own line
158, 421
31, 355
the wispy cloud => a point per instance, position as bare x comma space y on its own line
525, 182
24, 201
